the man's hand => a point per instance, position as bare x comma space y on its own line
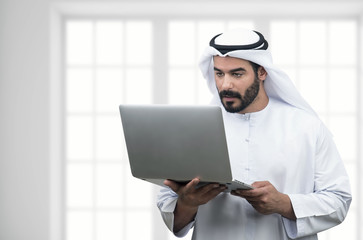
267, 200
190, 198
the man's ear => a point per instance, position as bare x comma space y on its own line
262, 74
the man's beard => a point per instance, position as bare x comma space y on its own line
248, 97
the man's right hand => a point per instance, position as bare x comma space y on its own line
190, 198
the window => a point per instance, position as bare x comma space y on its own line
113, 61
108, 62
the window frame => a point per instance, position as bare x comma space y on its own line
159, 13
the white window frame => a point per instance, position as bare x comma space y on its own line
158, 12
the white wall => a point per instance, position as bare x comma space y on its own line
24, 119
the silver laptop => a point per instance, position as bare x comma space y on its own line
177, 143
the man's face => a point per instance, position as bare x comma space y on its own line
237, 83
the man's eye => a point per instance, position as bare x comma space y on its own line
219, 74
237, 74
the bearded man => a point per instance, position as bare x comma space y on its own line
276, 142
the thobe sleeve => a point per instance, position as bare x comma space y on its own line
327, 205
166, 202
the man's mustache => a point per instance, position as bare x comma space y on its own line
229, 93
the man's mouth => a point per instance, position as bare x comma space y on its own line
229, 99
229, 95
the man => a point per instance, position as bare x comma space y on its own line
276, 142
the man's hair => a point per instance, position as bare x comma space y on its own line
255, 67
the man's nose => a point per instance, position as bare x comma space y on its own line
227, 83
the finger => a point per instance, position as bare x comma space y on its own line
247, 193
213, 192
238, 193
260, 184
253, 201
191, 186
173, 185
207, 188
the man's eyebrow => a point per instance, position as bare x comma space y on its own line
232, 70
238, 69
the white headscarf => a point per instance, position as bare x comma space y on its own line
277, 84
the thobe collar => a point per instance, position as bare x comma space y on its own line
253, 116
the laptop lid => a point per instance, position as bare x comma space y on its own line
176, 142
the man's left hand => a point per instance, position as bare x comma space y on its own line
267, 200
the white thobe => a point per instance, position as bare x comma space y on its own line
294, 151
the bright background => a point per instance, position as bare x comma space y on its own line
65, 66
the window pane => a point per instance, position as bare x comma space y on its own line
109, 138
79, 90
139, 42
207, 30
79, 225
344, 129
79, 42
313, 88
346, 230
79, 138
182, 86
138, 192
343, 90
351, 168
109, 88
182, 42
110, 226
139, 86
135, 219
79, 185
284, 42
313, 42
109, 185
343, 42
109, 42
204, 94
